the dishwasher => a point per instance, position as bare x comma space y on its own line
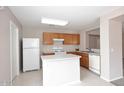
94, 63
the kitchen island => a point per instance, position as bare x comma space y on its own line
60, 69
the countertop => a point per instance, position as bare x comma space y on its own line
89, 53
95, 54
59, 57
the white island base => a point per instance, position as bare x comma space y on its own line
60, 70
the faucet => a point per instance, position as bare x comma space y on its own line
90, 50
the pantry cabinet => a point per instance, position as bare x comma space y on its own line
69, 39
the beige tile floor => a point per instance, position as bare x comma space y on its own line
34, 78
119, 82
89, 78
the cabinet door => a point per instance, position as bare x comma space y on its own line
67, 39
60, 36
81, 62
54, 35
76, 39
48, 38
86, 62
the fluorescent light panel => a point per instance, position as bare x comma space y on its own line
53, 21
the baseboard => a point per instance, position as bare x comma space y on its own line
116, 78
110, 80
104, 79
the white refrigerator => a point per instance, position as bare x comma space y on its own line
31, 54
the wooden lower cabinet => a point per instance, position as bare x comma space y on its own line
84, 60
48, 54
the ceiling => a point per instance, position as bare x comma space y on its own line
79, 17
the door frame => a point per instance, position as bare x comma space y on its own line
17, 50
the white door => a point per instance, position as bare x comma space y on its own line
14, 50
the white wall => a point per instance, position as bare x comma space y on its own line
5, 17
84, 40
104, 51
115, 46
123, 40
37, 33
93, 32
111, 45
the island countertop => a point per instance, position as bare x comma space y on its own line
59, 57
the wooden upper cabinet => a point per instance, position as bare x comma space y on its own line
48, 38
54, 35
69, 39
76, 39
85, 60
60, 36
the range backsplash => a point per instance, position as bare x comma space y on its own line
49, 48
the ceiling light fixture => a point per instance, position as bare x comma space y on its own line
53, 21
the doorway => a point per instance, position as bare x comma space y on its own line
111, 49
94, 41
14, 51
